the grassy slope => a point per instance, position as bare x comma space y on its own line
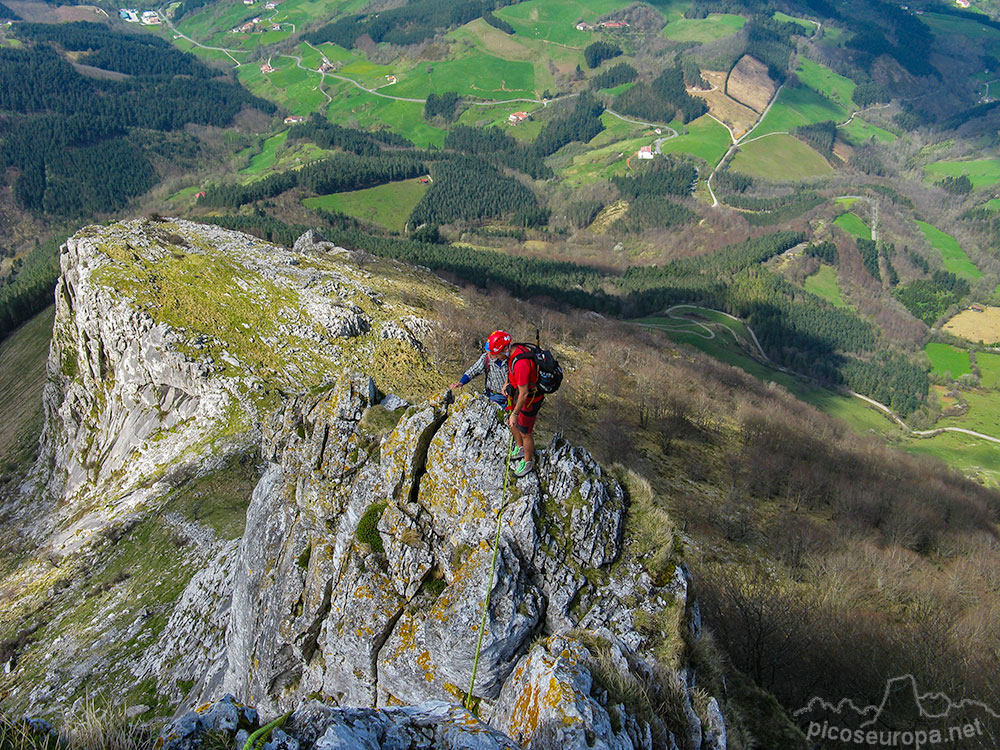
858, 131
854, 224
23, 355
388, 206
705, 138
714, 26
799, 105
824, 81
779, 157
948, 360
989, 370
952, 256
823, 284
981, 172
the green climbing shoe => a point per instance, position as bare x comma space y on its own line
516, 453
523, 467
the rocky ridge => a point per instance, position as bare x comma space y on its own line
360, 577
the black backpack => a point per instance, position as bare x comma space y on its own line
550, 374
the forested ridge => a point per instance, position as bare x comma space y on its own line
68, 134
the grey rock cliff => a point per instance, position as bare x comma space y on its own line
359, 583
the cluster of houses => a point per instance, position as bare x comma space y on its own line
294, 119
516, 118
131, 15
251, 26
582, 26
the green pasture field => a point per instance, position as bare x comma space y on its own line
858, 131
709, 29
291, 86
809, 26
184, 195
834, 36
836, 88
948, 360
823, 284
619, 89
854, 224
705, 139
993, 204
23, 355
952, 256
600, 163
779, 157
617, 129
799, 105
965, 453
290, 156
268, 154
370, 74
845, 202
496, 115
989, 370
352, 107
981, 172
388, 206
983, 416
477, 74
555, 20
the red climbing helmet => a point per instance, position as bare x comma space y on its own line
497, 342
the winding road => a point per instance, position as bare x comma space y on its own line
710, 334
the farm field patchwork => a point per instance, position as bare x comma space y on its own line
779, 157
948, 360
823, 284
388, 206
824, 81
981, 172
853, 224
952, 256
709, 29
976, 326
799, 105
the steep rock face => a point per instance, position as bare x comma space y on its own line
173, 341
361, 575
328, 602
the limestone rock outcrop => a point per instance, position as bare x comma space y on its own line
354, 593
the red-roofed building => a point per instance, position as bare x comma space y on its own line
517, 117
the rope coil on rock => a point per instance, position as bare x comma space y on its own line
489, 587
